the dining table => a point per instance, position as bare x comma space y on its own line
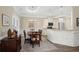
35, 35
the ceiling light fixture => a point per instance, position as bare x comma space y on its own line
32, 9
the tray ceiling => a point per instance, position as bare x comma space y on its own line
43, 11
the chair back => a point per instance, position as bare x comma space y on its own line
19, 41
24, 34
9, 33
40, 31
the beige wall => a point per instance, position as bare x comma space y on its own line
9, 11
26, 23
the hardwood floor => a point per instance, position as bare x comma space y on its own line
47, 46
63, 48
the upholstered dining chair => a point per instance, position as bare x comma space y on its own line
35, 40
40, 35
9, 33
27, 39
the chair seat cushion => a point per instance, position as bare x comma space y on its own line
33, 39
37, 38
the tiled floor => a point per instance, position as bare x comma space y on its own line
47, 46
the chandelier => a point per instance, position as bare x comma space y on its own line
32, 9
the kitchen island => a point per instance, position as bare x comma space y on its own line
64, 37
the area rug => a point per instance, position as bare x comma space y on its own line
45, 46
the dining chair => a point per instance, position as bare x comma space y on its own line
27, 39
40, 35
35, 40
9, 32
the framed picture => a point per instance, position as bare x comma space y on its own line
5, 20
